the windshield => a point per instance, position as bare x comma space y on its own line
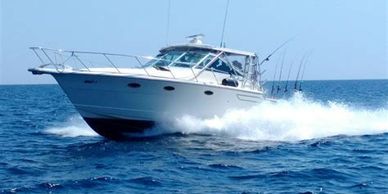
177, 58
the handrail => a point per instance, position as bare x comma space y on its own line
75, 54
60, 62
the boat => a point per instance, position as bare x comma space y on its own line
193, 79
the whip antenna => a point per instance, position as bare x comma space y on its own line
222, 43
168, 21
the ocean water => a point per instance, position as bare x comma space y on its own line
331, 138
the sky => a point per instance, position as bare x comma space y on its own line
347, 39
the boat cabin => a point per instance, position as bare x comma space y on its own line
239, 66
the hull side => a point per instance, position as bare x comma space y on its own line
115, 128
117, 104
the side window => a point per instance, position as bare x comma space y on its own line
205, 61
220, 66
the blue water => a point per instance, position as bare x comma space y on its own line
331, 139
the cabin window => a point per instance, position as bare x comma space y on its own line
178, 58
221, 67
238, 61
204, 61
189, 59
165, 59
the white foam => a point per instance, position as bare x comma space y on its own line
75, 126
286, 120
289, 120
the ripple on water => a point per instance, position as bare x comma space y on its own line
225, 166
146, 181
33, 161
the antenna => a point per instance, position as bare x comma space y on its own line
168, 21
222, 43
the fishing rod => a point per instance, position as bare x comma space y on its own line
288, 78
274, 51
304, 69
301, 77
273, 80
281, 71
259, 63
297, 75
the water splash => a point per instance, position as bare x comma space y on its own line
286, 120
289, 120
75, 126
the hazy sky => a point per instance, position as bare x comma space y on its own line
348, 38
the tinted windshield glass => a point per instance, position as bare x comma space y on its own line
222, 67
189, 59
178, 58
167, 58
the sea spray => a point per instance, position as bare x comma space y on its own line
289, 120
296, 118
75, 126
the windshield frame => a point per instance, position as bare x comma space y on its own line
176, 61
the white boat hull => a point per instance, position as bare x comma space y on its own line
113, 105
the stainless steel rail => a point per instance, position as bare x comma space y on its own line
44, 57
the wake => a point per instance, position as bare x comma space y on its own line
289, 120
286, 120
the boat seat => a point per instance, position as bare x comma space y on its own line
229, 82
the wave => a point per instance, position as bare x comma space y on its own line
75, 126
297, 118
